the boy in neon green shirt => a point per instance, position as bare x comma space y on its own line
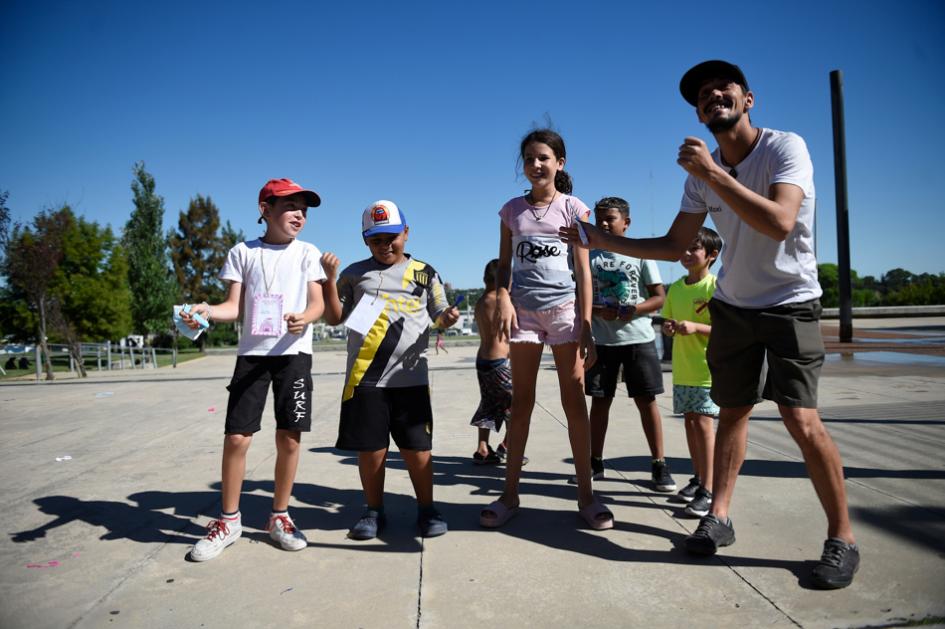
687, 320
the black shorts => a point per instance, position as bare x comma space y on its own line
642, 371
786, 337
374, 414
291, 378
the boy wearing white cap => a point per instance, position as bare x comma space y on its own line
275, 289
388, 302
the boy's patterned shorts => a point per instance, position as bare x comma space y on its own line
688, 399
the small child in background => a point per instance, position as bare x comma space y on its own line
495, 376
626, 291
388, 302
275, 290
687, 320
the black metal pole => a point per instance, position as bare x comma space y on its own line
843, 218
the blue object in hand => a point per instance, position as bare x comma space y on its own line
185, 329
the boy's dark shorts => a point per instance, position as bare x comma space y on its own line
374, 414
742, 339
642, 371
291, 378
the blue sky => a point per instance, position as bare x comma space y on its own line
424, 103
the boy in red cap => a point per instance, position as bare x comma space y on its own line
276, 283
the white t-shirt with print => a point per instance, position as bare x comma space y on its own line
277, 270
758, 271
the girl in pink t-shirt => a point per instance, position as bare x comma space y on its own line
537, 304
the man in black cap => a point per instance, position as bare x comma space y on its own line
758, 185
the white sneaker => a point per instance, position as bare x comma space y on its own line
282, 529
220, 534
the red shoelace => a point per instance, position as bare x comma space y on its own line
217, 528
287, 525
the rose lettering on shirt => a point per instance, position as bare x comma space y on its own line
532, 252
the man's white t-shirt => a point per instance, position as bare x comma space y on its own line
275, 270
758, 271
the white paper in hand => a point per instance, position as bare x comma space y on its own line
365, 314
581, 232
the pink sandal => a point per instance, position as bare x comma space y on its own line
496, 514
597, 516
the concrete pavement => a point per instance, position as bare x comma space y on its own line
101, 538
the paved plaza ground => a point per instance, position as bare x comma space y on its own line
108, 481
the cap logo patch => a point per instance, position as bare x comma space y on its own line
379, 215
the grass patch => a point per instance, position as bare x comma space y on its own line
60, 363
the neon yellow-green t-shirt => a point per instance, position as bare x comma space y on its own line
690, 302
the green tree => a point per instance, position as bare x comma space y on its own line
67, 280
149, 275
197, 252
829, 276
31, 260
896, 279
230, 237
92, 281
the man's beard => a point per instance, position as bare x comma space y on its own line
719, 125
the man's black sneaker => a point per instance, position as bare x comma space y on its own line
662, 479
597, 468
710, 535
371, 523
688, 492
700, 505
838, 563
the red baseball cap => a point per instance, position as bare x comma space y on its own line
285, 187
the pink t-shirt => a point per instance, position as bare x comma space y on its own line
542, 275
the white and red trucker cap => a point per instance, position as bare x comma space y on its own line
382, 217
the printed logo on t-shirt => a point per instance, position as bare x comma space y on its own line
422, 278
616, 282
533, 251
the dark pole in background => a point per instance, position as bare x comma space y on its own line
843, 214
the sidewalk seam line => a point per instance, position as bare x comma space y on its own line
423, 548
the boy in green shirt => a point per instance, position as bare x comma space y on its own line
687, 320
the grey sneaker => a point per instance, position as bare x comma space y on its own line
838, 563
283, 531
430, 522
710, 535
220, 534
371, 523
662, 480
699, 506
688, 492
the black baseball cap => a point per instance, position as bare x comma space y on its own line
698, 74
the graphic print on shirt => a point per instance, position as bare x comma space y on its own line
377, 355
616, 282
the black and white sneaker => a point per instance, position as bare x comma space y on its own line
662, 480
700, 505
688, 492
838, 563
710, 535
